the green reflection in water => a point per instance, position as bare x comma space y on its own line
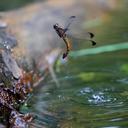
93, 90
124, 68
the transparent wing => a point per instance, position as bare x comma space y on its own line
69, 22
80, 43
73, 43
77, 39
76, 30
80, 34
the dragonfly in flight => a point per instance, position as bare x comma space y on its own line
62, 34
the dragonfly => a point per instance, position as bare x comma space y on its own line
62, 33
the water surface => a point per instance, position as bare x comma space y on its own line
93, 91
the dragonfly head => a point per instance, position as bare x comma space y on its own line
55, 26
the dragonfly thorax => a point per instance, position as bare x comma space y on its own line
60, 31
55, 26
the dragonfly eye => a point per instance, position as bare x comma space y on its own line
55, 26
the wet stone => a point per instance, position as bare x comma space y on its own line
7, 41
13, 86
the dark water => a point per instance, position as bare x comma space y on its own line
93, 91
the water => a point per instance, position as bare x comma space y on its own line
93, 91
94, 97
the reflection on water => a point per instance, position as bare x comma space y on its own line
97, 97
93, 91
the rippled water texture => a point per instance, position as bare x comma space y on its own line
93, 91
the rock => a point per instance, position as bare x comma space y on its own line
11, 64
7, 41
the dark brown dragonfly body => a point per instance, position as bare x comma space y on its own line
62, 34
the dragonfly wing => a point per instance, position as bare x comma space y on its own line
80, 43
80, 35
93, 42
69, 22
91, 34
